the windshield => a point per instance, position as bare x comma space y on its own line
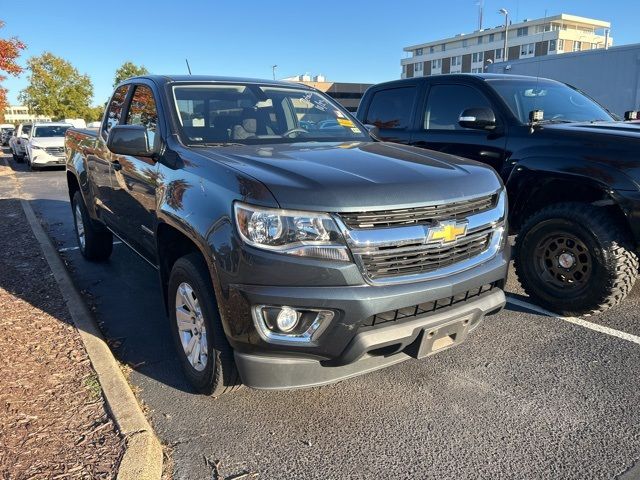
558, 101
50, 131
252, 114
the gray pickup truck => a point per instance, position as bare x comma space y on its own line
292, 248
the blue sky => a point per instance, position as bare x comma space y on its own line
343, 40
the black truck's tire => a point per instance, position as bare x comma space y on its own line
216, 374
98, 241
597, 249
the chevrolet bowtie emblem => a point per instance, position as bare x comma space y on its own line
446, 232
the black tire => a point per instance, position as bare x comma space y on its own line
600, 251
98, 241
219, 374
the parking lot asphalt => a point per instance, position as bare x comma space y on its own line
528, 396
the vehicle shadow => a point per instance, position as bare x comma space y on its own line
122, 293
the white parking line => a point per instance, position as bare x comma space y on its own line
576, 321
68, 249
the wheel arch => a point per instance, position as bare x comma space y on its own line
530, 191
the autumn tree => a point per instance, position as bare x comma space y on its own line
128, 70
9, 52
56, 88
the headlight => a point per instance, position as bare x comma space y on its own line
36, 147
306, 234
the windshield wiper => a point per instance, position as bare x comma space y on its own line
216, 144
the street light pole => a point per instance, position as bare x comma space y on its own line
505, 53
273, 69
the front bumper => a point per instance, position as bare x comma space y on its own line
372, 349
42, 158
353, 343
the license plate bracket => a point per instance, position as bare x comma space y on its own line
439, 338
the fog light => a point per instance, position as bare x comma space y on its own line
286, 325
287, 319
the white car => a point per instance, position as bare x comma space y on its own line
46, 145
18, 141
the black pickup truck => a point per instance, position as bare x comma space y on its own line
292, 249
572, 172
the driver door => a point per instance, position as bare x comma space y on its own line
134, 179
440, 130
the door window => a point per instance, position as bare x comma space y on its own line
115, 109
447, 102
143, 111
391, 108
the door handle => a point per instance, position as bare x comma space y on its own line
116, 165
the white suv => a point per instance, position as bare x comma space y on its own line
18, 141
46, 145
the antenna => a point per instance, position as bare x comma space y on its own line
188, 67
480, 4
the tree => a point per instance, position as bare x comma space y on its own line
9, 52
56, 88
128, 70
94, 114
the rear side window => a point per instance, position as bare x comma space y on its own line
114, 112
447, 102
143, 111
391, 108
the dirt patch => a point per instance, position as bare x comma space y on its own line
53, 420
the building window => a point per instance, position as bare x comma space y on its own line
491, 37
444, 47
432, 49
417, 67
561, 44
456, 61
501, 35
477, 57
594, 46
523, 31
465, 43
480, 40
418, 52
498, 54
552, 45
436, 64
476, 70
577, 46
527, 49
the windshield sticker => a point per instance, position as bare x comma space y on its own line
338, 113
315, 101
356, 130
345, 122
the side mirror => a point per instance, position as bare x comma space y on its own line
478, 119
131, 140
373, 131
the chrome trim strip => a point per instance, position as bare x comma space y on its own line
306, 338
399, 236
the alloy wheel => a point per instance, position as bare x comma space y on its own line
191, 327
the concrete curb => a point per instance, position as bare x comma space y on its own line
143, 457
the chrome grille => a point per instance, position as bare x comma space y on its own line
57, 151
425, 215
415, 259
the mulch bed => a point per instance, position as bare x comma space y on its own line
53, 420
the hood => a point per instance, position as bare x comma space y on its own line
47, 141
624, 129
339, 177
